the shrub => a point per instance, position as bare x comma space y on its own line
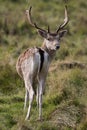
9, 81
62, 53
76, 78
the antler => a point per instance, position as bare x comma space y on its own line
28, 14
48, 29
65, 21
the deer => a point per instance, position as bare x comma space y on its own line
33, 64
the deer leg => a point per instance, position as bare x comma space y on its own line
37, 97
26, 98
41, 88
40, 106
31, 94
30, 103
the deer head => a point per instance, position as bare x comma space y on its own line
51, 40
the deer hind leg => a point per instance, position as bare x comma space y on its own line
41, 89
37, 97
29, 87
26, 98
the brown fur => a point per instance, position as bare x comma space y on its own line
25, 55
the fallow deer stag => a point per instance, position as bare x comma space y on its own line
34, 63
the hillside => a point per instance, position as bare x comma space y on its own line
65, 98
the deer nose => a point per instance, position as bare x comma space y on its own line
57, 47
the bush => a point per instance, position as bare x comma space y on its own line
9, 81
76, 78
62, 53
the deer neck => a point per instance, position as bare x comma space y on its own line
49, 51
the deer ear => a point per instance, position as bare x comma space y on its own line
42, 33
62, 33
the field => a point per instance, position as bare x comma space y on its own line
65, 98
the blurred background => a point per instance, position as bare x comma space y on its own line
65, 99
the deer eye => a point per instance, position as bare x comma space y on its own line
50, 39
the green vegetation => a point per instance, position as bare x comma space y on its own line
65, 99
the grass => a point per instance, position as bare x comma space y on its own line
65, 99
